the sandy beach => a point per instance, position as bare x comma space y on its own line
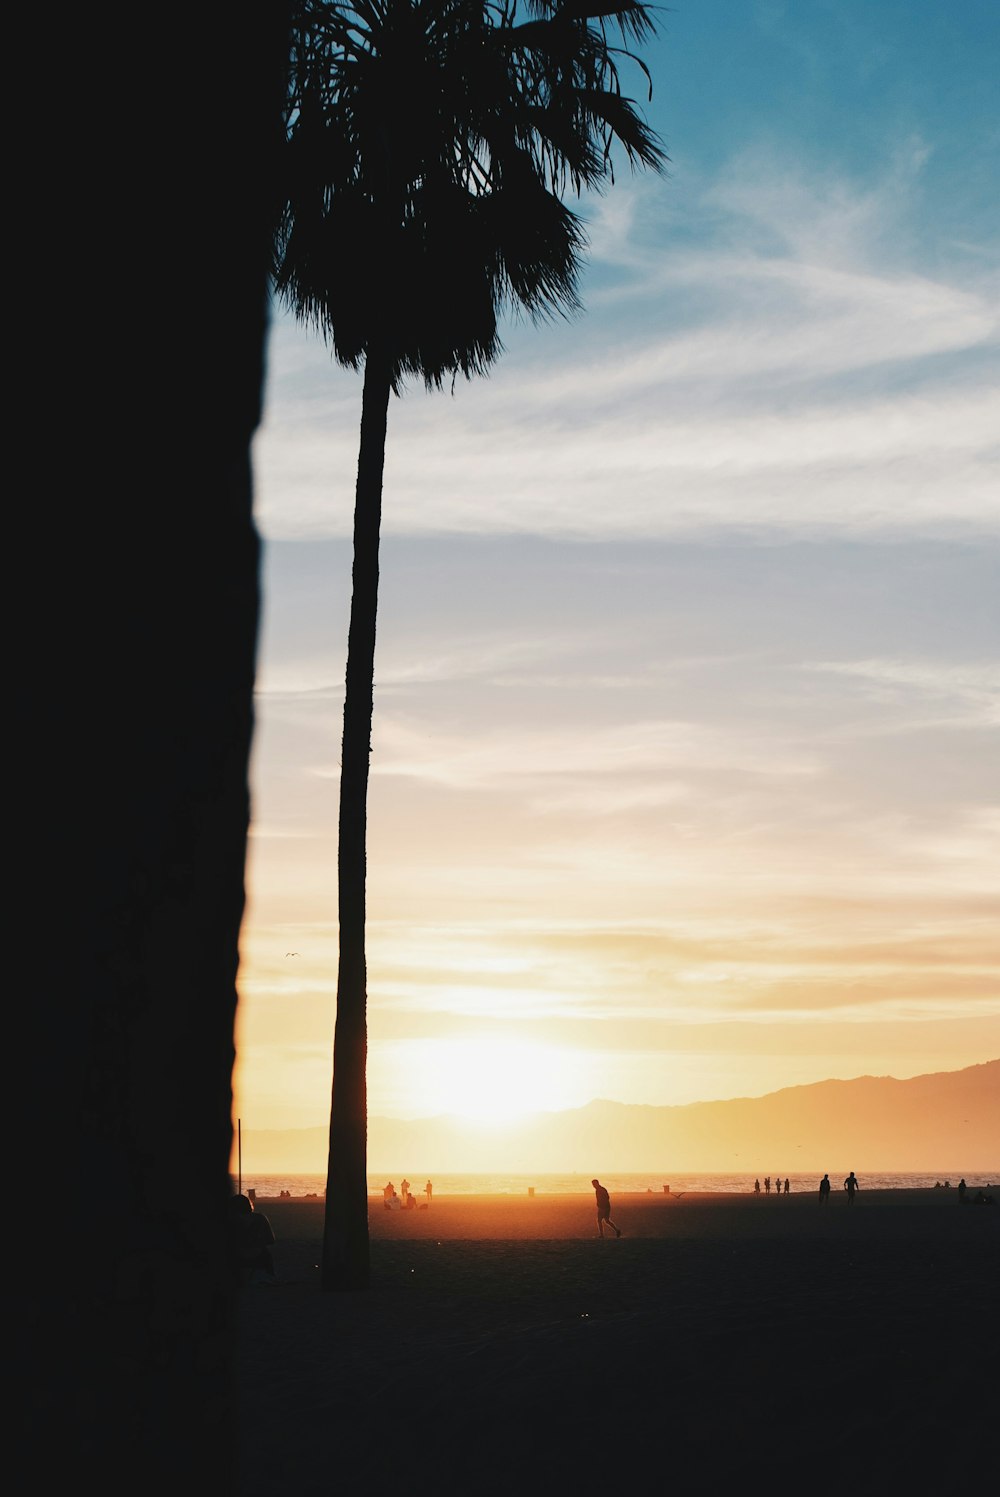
724, 1338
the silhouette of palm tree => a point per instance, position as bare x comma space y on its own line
429, 146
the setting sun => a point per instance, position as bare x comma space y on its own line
492, 1079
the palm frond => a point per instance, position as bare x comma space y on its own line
429, 147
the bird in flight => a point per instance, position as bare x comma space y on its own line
291, 953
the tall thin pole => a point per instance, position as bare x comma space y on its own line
239, 1151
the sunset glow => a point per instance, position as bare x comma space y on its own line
490, 1079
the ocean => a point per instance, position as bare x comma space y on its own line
267, 1186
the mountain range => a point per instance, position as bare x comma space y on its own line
946, 1122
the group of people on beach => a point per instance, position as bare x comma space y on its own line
767, 1186
850, 1185
404, 1200
981, 1197
252, 1236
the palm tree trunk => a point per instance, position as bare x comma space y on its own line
346, 1257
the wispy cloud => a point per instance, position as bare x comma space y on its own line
973, 690
621, 750
651, 421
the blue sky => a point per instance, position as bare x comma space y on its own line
685, 759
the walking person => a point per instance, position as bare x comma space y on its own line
603, 1209
851, 1185
824, 1190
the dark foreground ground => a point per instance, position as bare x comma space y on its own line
725, 1341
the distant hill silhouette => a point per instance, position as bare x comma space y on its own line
946, 1122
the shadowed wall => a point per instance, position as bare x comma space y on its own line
148, 211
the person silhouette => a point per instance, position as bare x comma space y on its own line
603, 1209
250, 1241
756, 1187
428, 1191
824, 1190
962, 1188
851, 1185
786, 1185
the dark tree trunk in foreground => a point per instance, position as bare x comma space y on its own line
345, 1239
137, 636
